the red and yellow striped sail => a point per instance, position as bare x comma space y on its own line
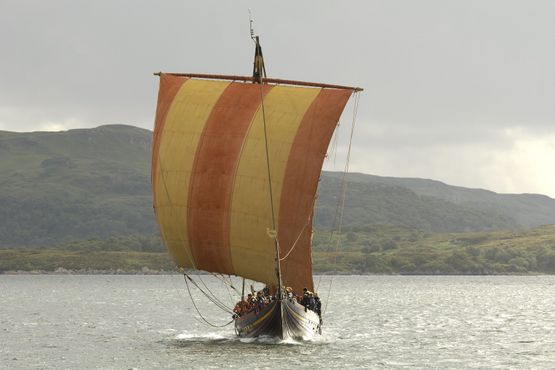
210, 173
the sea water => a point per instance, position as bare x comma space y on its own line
148, 322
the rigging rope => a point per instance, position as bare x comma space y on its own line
273, 232
343, 192
221, 306
228, 285
214, 298
335, 144
308, 222
296, 240
195, 305
318, 284
222, 279
347, 162
267, 158
231, 300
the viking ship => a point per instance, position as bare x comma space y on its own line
236, 163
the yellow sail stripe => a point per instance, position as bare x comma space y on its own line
178, 144
252, 249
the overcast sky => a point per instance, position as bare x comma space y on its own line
458, 91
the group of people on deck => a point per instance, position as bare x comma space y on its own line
256, 301
311, 301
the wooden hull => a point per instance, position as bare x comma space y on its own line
285, 319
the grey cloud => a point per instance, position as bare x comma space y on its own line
437, 74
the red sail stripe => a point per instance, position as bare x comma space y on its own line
169, 86
212, 178
300, 184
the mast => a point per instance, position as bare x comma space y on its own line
190, 172
258, 74
259, 69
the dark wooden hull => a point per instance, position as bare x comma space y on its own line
284, 319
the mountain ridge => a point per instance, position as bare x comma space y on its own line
95, 183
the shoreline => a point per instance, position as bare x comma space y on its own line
62, 271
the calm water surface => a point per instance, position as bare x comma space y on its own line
145, 322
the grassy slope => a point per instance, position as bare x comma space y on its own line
371, 249
74, 185
374, 203
525, 210
409, 251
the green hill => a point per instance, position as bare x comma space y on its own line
95, 183
513, 210
382, 204
391, 249
78, 184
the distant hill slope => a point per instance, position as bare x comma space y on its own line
511, 210
87, 183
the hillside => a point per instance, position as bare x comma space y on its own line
59, 186
521, 210
369, 249
389, 249
95, 183
375, 203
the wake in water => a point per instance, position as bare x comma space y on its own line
208, 337
187, 339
